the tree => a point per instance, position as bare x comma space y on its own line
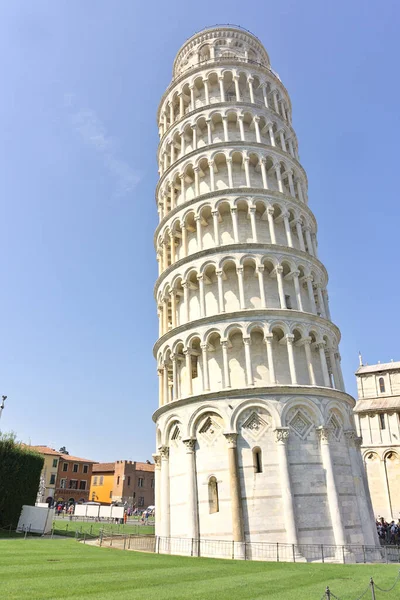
20, 469
63, 450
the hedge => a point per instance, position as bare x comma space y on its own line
20, 470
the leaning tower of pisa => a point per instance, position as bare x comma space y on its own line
255, 434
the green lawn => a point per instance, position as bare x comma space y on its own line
67, 527
45, 569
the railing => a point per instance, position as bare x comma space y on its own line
262, 551
372, 587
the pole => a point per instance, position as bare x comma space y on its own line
4, 398
371, 582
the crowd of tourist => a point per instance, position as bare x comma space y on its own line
389, 533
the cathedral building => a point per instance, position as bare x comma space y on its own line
378, 422
256, 438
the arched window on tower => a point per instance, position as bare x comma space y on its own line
257, 460
213, 503
381, 385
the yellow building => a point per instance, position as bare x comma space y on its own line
101, 485
49, 471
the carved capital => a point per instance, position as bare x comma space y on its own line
282, 434
231, 438
157, 461
247, 341
190, 444
324, 434
352, 438
164, 452
289, 338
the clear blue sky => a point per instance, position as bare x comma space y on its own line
80, 87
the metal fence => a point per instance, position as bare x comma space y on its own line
371, 588
263, 551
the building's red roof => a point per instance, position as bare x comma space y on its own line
67, 457
140, 466
43, 450
104, 467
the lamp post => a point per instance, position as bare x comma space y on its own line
4, 398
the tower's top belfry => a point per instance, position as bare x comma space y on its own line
219, 43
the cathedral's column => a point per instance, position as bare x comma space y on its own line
188, 364
165, 499
237, 89
215, 215
247, 353
384, 480
299, 231
192, 519
281, 438
287, 229
264, 173
324, 366
236, 495
235, 224
175, 376
260, 273
184, 240
292, 366
206, 377
279, 278
239, 271
271, 367
157, 485
320, 300
310, 367
271, 224
299, 301
227, 376
331, 487
252, 213
221, 305
339, 370
185, 285
308, 280
335, 373
160, 386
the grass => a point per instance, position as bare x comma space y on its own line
45, 569
67, 527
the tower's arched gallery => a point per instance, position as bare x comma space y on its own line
255, 432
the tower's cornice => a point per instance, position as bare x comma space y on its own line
242, 146
225, 63
262, 314
242, 192
228, 106
242, 249
272, 391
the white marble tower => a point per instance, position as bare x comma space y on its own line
255, 432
